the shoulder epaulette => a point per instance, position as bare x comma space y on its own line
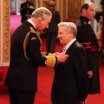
78, 23
36, 33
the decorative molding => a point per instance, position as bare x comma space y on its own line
5, 32
74, 10
0, 31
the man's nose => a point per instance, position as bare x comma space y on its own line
58, 35
47, 26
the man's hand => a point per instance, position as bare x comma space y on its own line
90, 74
81, 102
61, 57
31, 7
56, 53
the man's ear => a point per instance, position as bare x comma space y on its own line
84, 11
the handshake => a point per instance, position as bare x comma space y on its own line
61, 57
53, 59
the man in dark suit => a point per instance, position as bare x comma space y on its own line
87, 38
26, 56
26, 9
51, 32
70, 79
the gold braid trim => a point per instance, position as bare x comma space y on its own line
25, 44
26, 40
43, 53
51, 60
37, 34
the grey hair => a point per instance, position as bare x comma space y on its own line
41, 12
71, 27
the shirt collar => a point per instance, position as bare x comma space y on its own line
30, 21
84, 18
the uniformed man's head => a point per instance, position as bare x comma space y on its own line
51, 3
41, 17
88, 10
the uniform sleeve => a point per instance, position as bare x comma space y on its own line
33, 50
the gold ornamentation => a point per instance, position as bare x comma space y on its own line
4, 31
51, 60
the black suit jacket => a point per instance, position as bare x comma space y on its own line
22, 73
70, 79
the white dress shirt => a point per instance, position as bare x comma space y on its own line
29, 20
68, 45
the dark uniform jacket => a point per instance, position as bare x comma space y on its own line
26, 10
22, 72
87, 38
54, 21
70, 79
51, 32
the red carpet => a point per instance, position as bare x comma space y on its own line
45, 77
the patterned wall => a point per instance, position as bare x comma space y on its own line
74, 9
0, 31
4, 32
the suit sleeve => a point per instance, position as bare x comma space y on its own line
80, 68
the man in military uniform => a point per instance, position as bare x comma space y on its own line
26, 56
52, 31
87, 38
26, 9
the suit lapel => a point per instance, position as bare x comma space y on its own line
71, 47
